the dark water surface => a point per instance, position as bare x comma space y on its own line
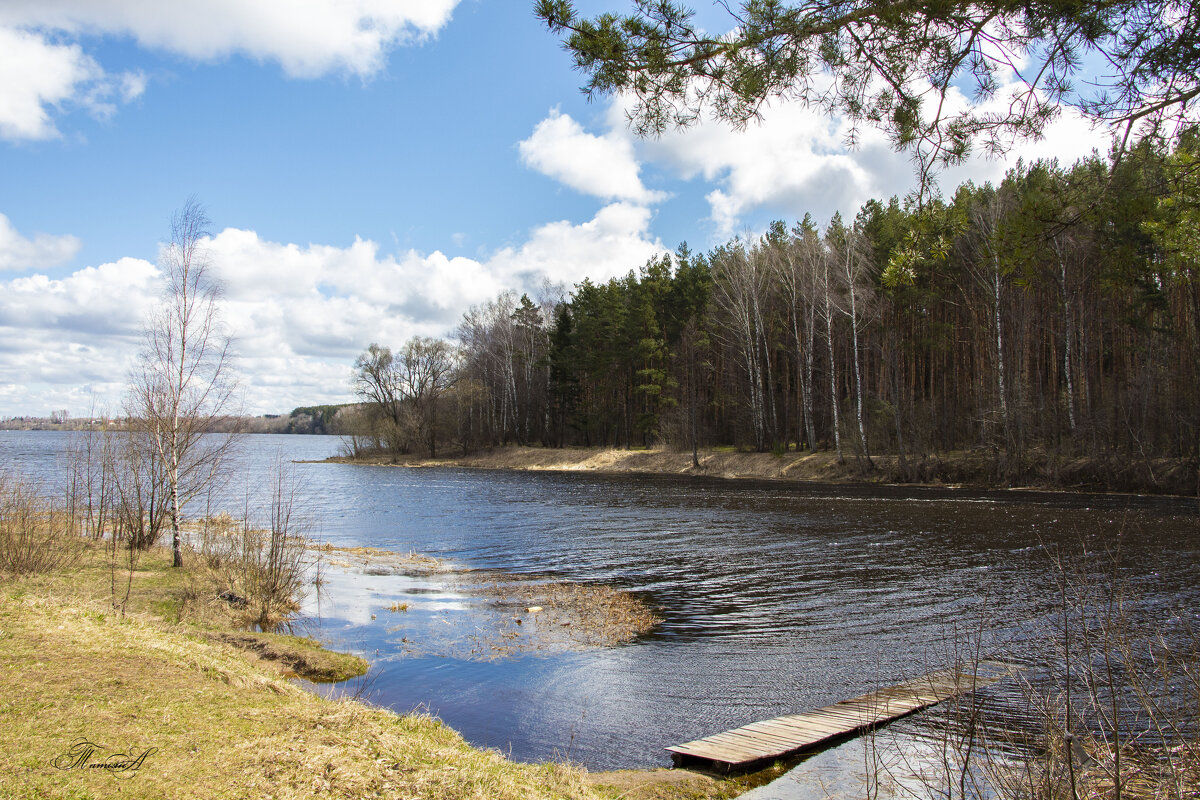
775, 598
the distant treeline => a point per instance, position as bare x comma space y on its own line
327, 419
1053, 317
305, 419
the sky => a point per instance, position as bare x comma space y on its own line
372, 169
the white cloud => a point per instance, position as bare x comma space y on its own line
38, 76
106, 301
44, 70
69, 343
615, 241
35, 74
300, 313
603, 166
42, 251
309, 39
794, 161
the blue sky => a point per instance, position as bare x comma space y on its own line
371, 168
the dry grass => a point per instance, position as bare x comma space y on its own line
35, 536
170, 679
384, 562
719, 463
221, 727
296, 656
188, 597
1145, 775
674, 784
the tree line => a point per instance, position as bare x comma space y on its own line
1051, 317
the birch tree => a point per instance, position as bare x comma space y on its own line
827, 288
854, 260
739, 291
987, 213
792, 259
183, 381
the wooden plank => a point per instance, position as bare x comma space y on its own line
753, 744
847, 711
840, 715
714, 752
799, 734
795, 726
743, 740
772, 735
817, 725
843, 715
794, 733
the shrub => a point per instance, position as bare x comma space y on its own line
35, 537
263, 567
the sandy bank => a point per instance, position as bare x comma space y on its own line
973, 469
719, 464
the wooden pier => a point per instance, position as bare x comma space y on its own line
750, 745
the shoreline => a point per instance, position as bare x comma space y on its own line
188, 705
971, 471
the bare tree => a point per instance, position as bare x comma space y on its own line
377, 382
406, 388
183, 383
740, 291
427, 370
854, 268
797, 260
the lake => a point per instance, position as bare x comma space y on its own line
775, 598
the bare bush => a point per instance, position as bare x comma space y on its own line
35, 537
263, 566
361, 432
1106, 707
1120, 700
140, 490
91, 490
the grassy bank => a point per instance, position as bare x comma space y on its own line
966, 468
212, 723
176, 699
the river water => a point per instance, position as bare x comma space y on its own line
774, 598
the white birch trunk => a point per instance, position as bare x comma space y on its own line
852, 286
833, 395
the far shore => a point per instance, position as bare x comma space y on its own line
962, 469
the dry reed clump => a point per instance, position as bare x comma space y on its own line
35, 537
376, 561
259, 571
510, 614
1146, 774
597, 614
525, 614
